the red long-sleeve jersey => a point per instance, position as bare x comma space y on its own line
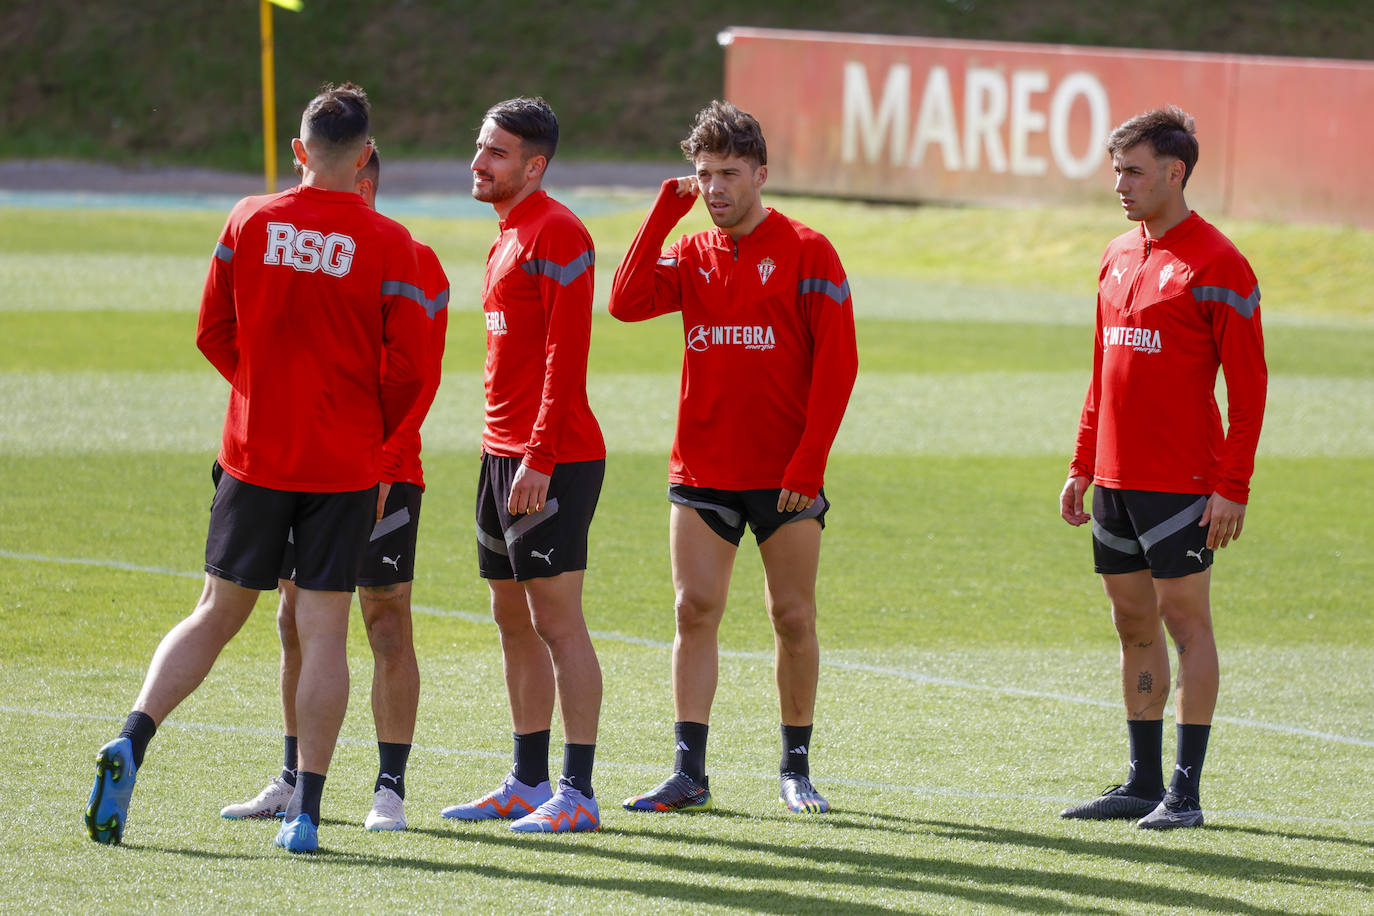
1170, 311
770, 357
307, 290
537, 295
401, 452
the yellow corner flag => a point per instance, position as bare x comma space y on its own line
269, 88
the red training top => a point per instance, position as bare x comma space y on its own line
1169, 312
537, 295
770, 356
306, 291
401, 452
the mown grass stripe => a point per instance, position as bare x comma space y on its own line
885, 670
940, 414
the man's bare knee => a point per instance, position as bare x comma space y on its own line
793, 620
695, 611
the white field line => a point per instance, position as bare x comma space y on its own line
929, 791
902, 673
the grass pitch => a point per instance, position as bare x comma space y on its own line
968, 685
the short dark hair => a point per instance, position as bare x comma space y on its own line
372, 168
724, 130
339, 114
1170, 131
530, 119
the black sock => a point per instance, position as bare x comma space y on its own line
577, 766
532, 758
1146, 779
139, 728
1192, 748
690, 757
306, 799
288, 760
392, 774
796, 749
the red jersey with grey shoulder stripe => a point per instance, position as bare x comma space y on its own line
309, 293
769, 356
537, 295
401, 452
1170, 312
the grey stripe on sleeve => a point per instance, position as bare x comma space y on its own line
1174, 523
408, 290
562, 274
667, 262
822, 285
398, 519
224, 252
1244, 306
437, 304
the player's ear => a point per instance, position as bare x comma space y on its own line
534, 167
364, 155
298, 150
760, 176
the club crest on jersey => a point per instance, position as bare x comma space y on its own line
1165, 274
1142, 340
496, 322
308, 250
749, 336
766, 268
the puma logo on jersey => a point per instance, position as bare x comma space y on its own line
1118, 273
1195, 554
392, 562
544, 556
496, 322
1143, 340
308, 250
706, 274
1165, 274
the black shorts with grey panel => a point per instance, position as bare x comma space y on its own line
1139, 529
727, 511
249, 526
390, 556
544, 543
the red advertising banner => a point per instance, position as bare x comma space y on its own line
889, 118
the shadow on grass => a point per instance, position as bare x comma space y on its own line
823, 876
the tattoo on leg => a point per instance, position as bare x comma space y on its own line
1182, 648
1145, 683
1145, 645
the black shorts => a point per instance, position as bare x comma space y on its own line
249, 526
1139, 529
727, 511
390, 555
544, 543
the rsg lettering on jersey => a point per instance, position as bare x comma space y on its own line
749, 336
308, 250
1142, 339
